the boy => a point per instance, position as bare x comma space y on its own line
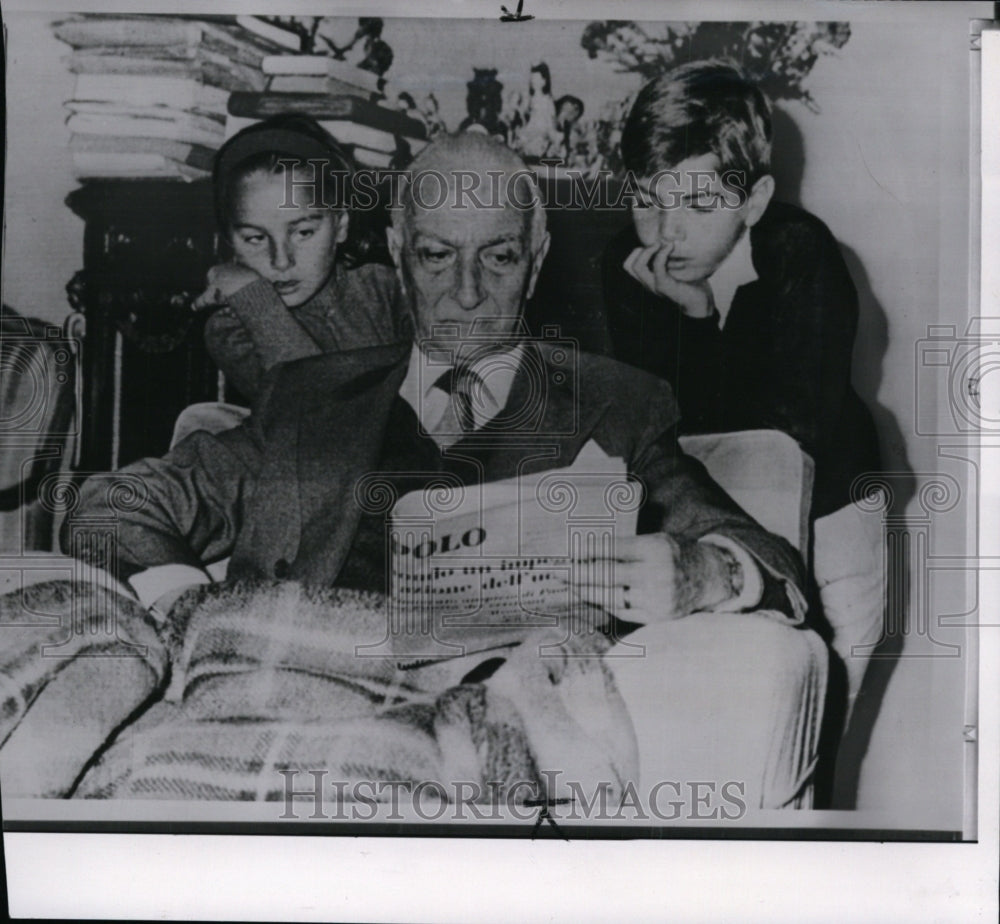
746, 307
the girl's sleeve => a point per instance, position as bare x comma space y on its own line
254, 332
370, 309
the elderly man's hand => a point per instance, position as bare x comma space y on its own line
652, 578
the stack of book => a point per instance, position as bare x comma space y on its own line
342, 97
320, 74
151, 91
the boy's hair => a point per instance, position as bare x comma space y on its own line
264, 145
704, 107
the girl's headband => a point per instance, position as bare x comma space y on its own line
281, 141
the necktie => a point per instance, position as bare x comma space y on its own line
461, 384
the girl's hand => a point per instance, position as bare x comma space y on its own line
648, 267
224, 280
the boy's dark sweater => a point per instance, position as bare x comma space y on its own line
782, 360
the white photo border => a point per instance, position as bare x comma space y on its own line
321, 878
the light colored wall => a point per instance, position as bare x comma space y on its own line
43, 240
885, 165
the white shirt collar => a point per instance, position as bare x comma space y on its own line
429, 403
734, 271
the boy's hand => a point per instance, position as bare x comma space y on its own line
224, 280
648, 267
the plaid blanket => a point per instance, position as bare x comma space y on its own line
271, 680
76, 661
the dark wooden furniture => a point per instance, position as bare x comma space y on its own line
147, 247
569, 293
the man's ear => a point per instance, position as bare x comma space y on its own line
394, 238
343, 221
759, 199
537, 259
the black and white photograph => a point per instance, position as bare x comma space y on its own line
477, 423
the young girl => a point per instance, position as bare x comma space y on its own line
285, 294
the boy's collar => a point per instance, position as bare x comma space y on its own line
734, 271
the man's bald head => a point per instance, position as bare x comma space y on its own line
468, 239
471, 170
459, 150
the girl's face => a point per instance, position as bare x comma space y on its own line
292, 245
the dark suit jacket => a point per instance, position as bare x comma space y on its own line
277, 494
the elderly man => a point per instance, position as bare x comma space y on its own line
279, 494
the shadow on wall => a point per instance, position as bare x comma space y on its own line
871, 343
838, 779
872, 338
788, 156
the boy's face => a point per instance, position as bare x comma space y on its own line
691, 211
293, 246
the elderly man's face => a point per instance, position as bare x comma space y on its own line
466, 265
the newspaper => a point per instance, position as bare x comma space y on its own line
473, 568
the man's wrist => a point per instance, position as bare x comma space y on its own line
730, 572
708, 576
734, 581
